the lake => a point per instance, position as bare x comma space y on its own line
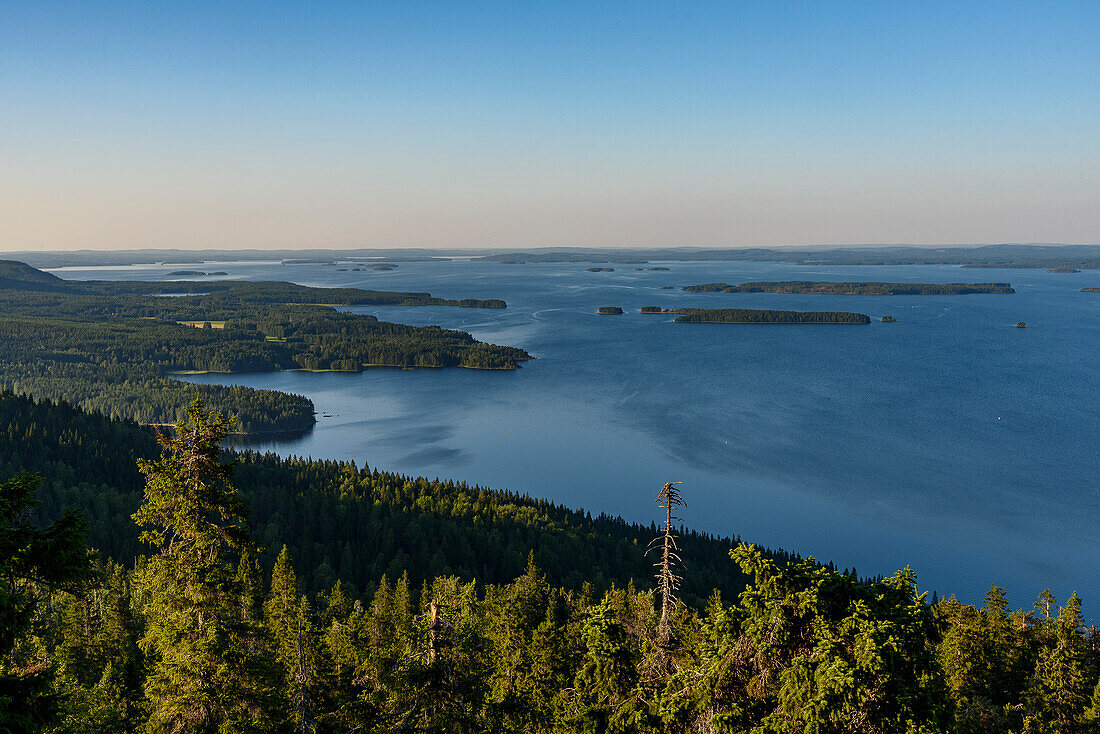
949, 441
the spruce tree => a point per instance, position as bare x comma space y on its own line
32, 562
203, 674
1060, 691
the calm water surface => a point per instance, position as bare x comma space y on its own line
950, 441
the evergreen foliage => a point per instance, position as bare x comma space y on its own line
198, 638
204, 662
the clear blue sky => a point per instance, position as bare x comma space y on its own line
142, 124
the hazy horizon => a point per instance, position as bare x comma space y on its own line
456, 248
496, 125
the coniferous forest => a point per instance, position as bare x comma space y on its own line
113, 346
206, 608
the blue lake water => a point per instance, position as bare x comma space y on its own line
950, 441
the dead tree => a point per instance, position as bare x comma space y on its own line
668, 581
306, 724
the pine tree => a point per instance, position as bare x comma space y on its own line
203, 672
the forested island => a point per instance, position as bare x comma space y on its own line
853, 289
610, 311
599, 270
766, 316
112, 346
651, 309
520, 616
1090, 290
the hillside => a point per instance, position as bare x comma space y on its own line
342, 521
16, 275
464, 644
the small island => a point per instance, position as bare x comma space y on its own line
1090, 290
656, 268
1064, 269
868, 288
766, 316
651, 309
196, 273
610, 311
1021, 325
599, 270
666, 287
889, 320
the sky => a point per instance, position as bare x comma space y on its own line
516, 124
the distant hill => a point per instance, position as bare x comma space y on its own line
20, 276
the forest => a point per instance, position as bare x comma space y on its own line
113, 346
198, 634
853, 289
766, 316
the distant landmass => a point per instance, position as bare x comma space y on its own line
853, 289
765, 316
113, 346
600, 270
1043, 256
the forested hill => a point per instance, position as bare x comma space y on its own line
113, 346
20, 276
346, 522
197, 636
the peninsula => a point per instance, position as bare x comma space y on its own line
766, 316
863, 288
113, 346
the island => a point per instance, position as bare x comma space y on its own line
599, 270
1090, 290
661, 267
610, 311
889, 320
651, 309
864, 288
188, 272
1064, 269
1021, 325
114, 346
666, 287
766, 316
